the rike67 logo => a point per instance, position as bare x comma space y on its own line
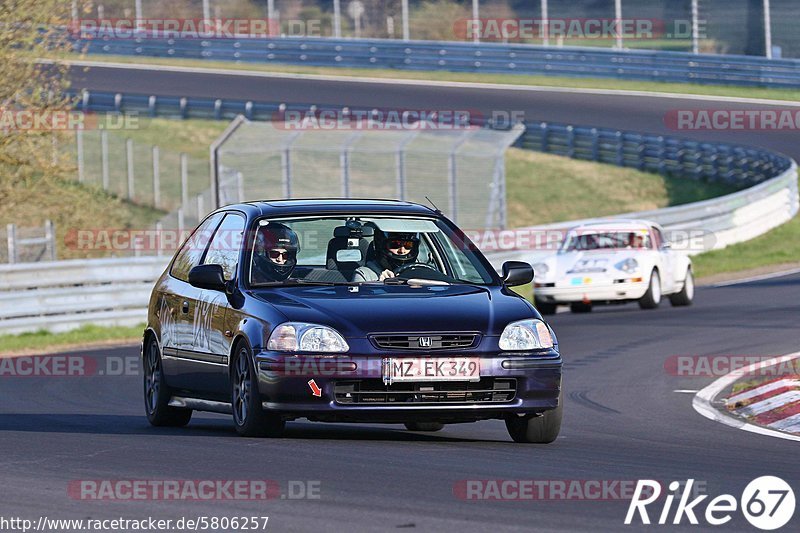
767, 502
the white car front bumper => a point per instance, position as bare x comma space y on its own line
602, 289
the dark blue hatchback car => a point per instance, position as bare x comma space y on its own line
346, 310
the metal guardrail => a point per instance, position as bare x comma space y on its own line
639, 65
63, 295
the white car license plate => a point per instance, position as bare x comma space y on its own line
431, 369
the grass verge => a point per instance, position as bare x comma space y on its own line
43, 341
546, 188
508, 79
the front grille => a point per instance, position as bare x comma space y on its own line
373, 391
421, 341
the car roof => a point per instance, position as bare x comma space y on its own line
616, 224
306, 206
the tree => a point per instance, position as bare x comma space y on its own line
31, 30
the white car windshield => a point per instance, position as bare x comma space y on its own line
357, 249
606, 240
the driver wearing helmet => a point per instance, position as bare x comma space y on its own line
392, 251
275, 254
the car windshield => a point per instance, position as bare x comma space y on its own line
582, 240
361, 249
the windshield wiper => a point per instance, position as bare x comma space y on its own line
297, 281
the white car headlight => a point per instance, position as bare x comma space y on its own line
540, 269
303, 337
629, 265
525, 335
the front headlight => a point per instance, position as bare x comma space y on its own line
540, 269
629, 265
303, 337
526, 335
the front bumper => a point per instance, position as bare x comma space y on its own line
284, 385
599, 290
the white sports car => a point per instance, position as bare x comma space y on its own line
614, 261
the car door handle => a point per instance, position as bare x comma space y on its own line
185, 307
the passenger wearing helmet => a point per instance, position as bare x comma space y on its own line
392, 251
275, 253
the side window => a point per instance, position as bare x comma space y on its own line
191, 252
225, 245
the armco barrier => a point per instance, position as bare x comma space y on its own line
640, 65
63, 295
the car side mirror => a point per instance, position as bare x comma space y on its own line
209, 277
517, 273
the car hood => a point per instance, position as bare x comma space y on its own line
386, 309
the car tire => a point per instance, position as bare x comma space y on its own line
652, 298
156, 392
545, 308
424, 426
542, 429
686, 296
580, 307
249, 417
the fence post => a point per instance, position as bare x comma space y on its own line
129, 156
620, 150
543, 126
104, 158
240, 186
184, 180
286, 172
181, 222
337, 19
79, 148
156, 178
406, 32
50, 237
571, 141
595, 145
201, 208
160, 239
344, 163
11, 240
400, 164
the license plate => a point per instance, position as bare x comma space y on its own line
581, 281
431, 369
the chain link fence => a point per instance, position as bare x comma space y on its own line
724, 26
461, 170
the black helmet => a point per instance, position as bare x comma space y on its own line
390, 260
275, 235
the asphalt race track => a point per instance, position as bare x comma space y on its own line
634, 113
623, 421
